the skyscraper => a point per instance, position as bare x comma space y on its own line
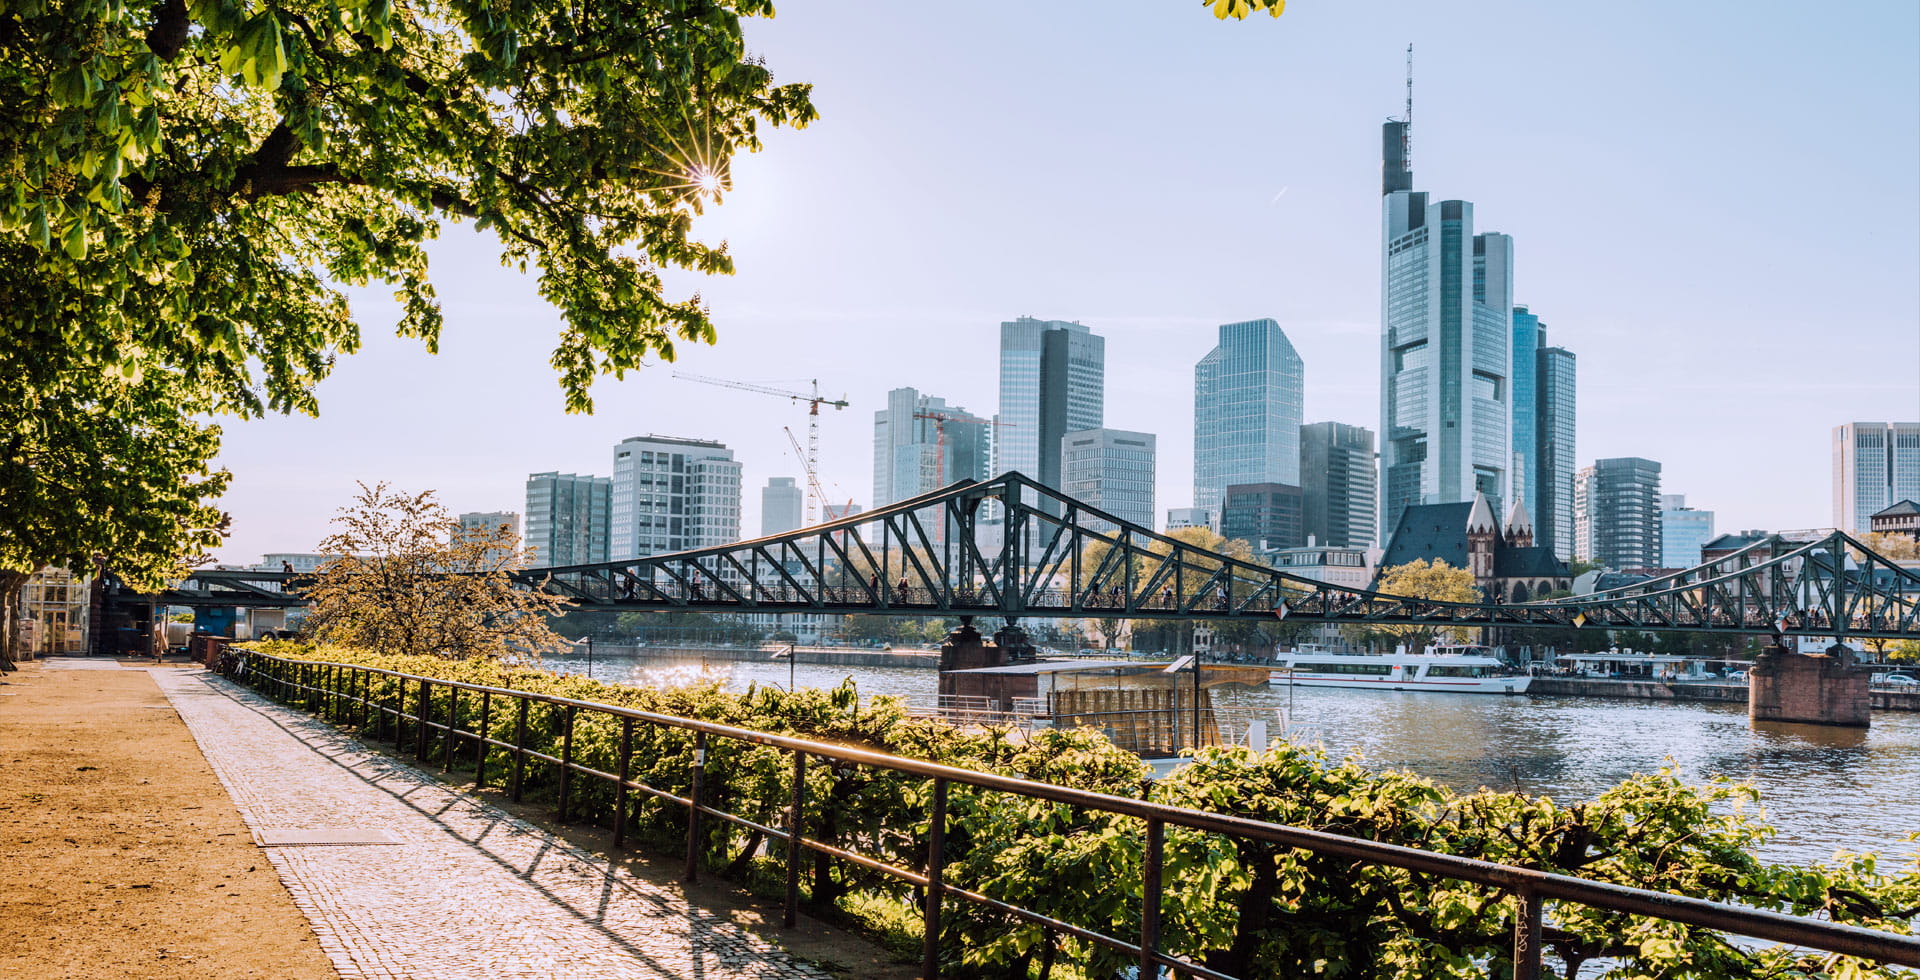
1111, 469
1683, 531
1620, 515
1338, 483
1264, 515
1529, 335
1052, 382
567, 518
1875, 465
485, 522
672, 494
920, 444
1248, 395
1553, 427
1446, 302
781, 504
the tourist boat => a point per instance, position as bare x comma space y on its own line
1459, 668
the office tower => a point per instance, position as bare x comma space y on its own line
487, 522
567, 518
1179, 517
920, 444
1247, 406
1553, 422
1446, 307
673, 494
1267, 516
1052, 382
1338, 484
1619, 517
1875, 465
1112, 470
781, 504
1529, 335
1683, 531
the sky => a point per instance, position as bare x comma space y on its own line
1716, 206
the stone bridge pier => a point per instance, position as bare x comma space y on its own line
1821, 688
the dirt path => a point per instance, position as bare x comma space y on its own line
124, 856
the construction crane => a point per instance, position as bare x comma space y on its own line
813, 479
940, 420
812, 458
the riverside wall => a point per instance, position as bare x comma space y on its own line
830, 656
1583, 687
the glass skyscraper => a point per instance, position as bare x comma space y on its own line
1529, 335
1248, 399
1683, 531
1620, 516
908, 436
1111, 469
1553, 421
567, 518
1052, 382
1446, 302
1339, 484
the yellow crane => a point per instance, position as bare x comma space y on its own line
812, 458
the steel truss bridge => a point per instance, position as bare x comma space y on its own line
1051, 556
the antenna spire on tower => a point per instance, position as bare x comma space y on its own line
1406, 137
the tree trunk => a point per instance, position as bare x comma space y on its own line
12, 585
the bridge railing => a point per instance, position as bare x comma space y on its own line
343, 693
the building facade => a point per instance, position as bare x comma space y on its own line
672, 494
1684, 531
1339, 485
1445, 360
569, 518
486, 522
1620, 512
1179, 517
1506, 564
1902, 519
921, 443
781, 506
1052, 382
1248, 402
1268, 516
1111, 469
1553, 430
1875, 465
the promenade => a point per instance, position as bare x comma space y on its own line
396, 875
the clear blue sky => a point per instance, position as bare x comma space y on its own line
1716, 205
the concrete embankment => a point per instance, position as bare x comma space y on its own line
806, 655
1585, 687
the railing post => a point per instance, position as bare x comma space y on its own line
519, 748
566, 761
1150, 876
936, 872
422, 710
1526, 934
694, 802
791, 913
399, 714
620, 785
453, 718
480, 744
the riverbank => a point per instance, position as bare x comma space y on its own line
1736, 692
828, 656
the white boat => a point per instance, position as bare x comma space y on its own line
1461, 669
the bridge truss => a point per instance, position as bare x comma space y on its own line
1040, 553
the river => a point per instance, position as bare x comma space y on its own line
1822, 788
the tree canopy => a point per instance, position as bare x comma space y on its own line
1421, 579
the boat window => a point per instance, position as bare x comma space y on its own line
1370, 669
1456, 670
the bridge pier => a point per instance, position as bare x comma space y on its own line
1819, 688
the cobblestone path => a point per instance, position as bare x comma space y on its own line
463, 890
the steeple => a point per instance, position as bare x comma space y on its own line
1480, 519
1519, 525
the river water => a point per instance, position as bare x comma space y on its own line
1822, 788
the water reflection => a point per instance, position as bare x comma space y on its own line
1823, 788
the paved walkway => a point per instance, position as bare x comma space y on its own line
404, 878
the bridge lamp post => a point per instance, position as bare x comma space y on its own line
787, 654
588, 640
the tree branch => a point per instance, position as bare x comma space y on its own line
169, 32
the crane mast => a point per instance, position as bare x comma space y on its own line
811, 458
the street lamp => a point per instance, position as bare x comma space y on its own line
790, 658
588, 640
1190, 662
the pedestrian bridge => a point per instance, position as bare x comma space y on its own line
1013, 548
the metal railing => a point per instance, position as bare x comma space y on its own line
342, 692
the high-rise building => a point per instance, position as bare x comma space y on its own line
781, 505
489, 521
1446, 308
1875, 465
1553, 426
1339, 485
920, 444
1248, 395
1529, 335
1683, 531
1053, 377
1265, 515
1619, 517
673, 494
568, 518
1111, 469
1179, 517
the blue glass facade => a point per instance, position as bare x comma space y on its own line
1529, 335
1248, 399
